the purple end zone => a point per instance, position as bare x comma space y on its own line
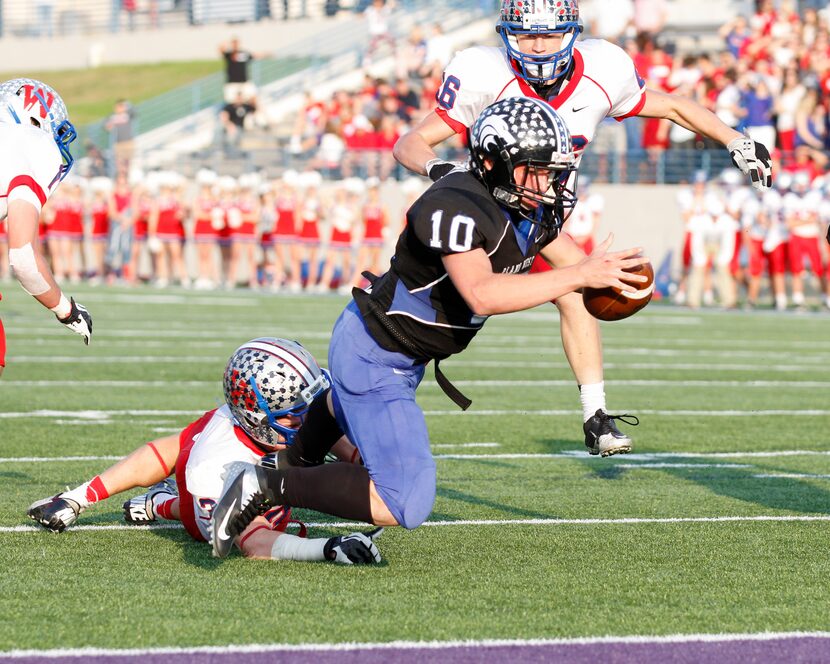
785, 649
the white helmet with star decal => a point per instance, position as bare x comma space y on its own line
269, 379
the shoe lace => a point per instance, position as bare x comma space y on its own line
627, 418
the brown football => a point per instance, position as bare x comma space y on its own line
612, 304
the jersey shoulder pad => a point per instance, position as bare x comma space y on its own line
452, 216
613, 70
477, 67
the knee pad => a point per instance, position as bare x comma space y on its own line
24, 265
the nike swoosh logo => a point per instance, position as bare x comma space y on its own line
282, 486
223, 527
397, 371
577, 110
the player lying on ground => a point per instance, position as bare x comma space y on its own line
35, 134
463, 256
586, 81
269, 386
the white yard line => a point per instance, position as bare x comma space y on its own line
791, 476
254, 648
482, 522
650, 466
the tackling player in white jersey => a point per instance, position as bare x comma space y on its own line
585, 82
269, 386
35, 134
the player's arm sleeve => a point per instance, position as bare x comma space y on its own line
445, 227
463, 94
625, 87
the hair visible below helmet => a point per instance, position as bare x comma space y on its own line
522, 131
29, 102
539, 17
267, 379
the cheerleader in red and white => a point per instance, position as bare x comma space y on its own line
227, 218
166, 231
343, 216
375, 219
207, 219
310, 213
141, 209
121, 227
99, 209
286, 251
4, 251
245, 234
65, 233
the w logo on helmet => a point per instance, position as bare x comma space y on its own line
32, 96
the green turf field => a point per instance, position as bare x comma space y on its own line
735, 421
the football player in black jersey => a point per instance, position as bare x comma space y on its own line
469, 242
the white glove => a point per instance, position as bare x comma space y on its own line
437, 168
79, 321
752, 159
355, 548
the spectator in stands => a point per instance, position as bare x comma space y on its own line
411, 54
409, 104
439, 51
650, 16
120, 127
611, 20
735, 34
120, 240
728, 106
786, 106
44, 21
758, 103
234, 119
237, 74
811, 127
378, 17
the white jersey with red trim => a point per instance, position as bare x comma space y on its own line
582, 220
219, 443
604, 83
30, 166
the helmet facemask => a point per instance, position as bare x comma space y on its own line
535, 18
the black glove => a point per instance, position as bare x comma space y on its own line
79, 321
354, 549
438, 168
752, 159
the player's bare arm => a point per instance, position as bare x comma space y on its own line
414, 150
488, 293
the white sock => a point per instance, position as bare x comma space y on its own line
781, 302
291, 547
798, 299
78, 494
592, 398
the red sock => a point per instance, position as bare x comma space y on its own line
165, 510
96, 490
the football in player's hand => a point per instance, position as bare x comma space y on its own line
614, 304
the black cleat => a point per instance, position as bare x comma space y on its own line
602, 435
55, 513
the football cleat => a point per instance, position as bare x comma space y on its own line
244, 497
139, 510
602, 435
354, 549
56, 513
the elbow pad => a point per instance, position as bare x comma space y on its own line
22, 261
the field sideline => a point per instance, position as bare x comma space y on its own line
717, 525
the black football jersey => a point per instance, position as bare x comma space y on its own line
414, 308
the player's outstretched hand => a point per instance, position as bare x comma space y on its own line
354, 549
602, 269
79, 321
753, 159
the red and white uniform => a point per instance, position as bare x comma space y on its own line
206, 447
30, 169
693, 207
247, 229
310, 215
580, 225
801, 212
205, 228
100, 221
232, 218
342, 220
69, 219
170, 227
142, 220
604, 83
776, 236
285, 229
374, 219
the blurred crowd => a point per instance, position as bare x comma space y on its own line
735, 237
295, 233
